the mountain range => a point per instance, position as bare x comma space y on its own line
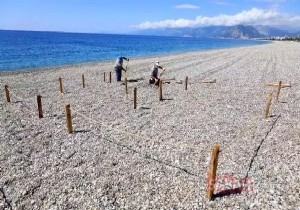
235, 32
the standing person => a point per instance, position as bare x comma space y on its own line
119, 67
154, 73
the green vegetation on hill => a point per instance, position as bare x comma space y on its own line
295, 39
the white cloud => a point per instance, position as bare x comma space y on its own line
186, 6
253, 16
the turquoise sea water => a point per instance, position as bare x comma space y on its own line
21, 50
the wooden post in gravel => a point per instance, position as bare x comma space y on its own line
126, 86
83, 82
104, 76
134, 97
212, 172
278, 91
160, 90
186, 83
60, 85
110, 77
7, 93
268, 105
69, 119
40, 109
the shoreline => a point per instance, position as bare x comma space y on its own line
93, 63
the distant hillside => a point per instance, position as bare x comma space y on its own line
236, 32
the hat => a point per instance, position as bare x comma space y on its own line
157, 63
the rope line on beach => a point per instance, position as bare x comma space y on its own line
260, 144
144, 137
139, 136
162, 143
23, 100
252, 125
19, 98
146, 155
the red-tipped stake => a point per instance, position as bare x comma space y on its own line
212, 172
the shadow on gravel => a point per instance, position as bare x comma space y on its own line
229, 192
132, 80
145, 107
135, 80
15, 102
167, 99
82, 131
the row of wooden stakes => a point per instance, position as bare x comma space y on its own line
214, 157
215, 151
126, 81
160, 91
279, 86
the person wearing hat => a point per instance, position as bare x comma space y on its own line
154, 73
119, 67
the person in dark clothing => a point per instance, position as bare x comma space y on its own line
119, 67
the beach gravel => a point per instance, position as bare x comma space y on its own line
156, 156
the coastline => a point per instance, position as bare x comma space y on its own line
152, 54
156, 156
93, 63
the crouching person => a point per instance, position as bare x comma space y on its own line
154, 73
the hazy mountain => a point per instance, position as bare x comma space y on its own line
271, 31
236, 32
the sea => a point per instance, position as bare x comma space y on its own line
24, 50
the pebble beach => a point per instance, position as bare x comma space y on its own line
156, 156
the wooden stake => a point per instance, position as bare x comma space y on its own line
83, 82
160, 90
186, 83
60, 85
268, 105
282, 85
134, 97
104, 76
278, 91
212, 172
69, 119
40, 109
7, 93
110, 77
209, 81
126, 86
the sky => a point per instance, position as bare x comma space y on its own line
126, 16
